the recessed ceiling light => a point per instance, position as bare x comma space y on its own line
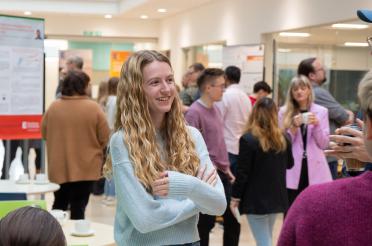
349, 26
294, 34
162, 10
108, 16
144, 17
27, 13
281, 50
355, 44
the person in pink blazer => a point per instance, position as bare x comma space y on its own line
303, 120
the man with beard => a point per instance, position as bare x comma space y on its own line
338, 116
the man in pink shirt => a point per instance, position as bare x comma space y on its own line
235, 108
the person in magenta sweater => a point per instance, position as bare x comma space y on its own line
337, 213
204, 115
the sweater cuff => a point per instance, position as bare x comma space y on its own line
179, 184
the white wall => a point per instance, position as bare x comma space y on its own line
243, 22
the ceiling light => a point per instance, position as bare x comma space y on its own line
349, 26
108, 16
144, 17
162, 10
27, 13
294, 34
355, 44
281, 50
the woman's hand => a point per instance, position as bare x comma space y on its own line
297, 120
209, 178
312, 119
234, 204
160, 187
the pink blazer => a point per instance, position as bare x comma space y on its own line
317, 141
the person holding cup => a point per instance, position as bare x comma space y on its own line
308, 126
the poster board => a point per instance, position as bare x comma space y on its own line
250, 59
117, 59
21, 77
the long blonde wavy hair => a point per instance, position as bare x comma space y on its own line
263, 124
292, 108
133, 117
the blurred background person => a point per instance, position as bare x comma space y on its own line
190, 93
72, 63
314, 70
260, 89
110, 110
235, 108
76, 132
260, 186
307, 125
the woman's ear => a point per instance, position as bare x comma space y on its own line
368, 127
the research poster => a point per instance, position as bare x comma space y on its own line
250, 59
117, 59
21, 77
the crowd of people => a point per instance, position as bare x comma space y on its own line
176, 160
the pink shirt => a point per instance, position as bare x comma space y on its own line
235, 108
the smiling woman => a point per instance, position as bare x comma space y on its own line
161, 167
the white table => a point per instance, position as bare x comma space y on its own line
9, 186
104, 234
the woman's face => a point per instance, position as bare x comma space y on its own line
159, 87
301, 94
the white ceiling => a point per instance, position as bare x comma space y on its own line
117, 8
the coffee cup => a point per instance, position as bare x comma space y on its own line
41, 177
305, 117
82, 226
354, 166
60, 215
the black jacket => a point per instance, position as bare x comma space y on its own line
261, 177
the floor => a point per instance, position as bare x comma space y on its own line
98, 212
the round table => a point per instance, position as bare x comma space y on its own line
103, 234
10, 186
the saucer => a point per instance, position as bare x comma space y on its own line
83, 234
23, 181
40, 182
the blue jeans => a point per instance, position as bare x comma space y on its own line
109, 189
262, 228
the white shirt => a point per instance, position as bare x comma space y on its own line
111, 111
235, 108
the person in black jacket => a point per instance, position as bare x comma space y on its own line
260, 186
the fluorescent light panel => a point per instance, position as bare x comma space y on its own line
284, 50
355, 44
295, 34
349, 26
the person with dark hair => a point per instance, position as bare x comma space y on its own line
72, 63
76, 132
260, 89
260, 186
30, 226
235, 108
314, 70
191, 93
204, 115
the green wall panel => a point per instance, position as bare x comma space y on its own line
101, 51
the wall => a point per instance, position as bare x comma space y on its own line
243, 22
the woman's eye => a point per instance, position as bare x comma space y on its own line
170, 81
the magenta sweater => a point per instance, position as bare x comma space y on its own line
209, 122
336, 213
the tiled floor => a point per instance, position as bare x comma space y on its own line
98, 212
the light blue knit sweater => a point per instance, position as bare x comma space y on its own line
144, 220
